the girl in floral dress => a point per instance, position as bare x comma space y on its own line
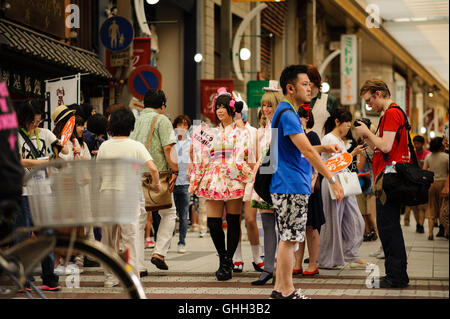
220, 178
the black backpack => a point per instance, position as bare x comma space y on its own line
263, 177
409, 186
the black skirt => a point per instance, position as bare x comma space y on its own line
315, 216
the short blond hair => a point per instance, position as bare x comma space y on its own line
272, 99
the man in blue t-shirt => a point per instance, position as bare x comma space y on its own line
291, 182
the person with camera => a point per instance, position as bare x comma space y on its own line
391, 140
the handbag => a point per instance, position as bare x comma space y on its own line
409, 183
156, 201
350, 183
263, 177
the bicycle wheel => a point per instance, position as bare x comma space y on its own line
108, 258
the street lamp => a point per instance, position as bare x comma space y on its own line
245, 54
198, 57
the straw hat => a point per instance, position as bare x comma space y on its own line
60, 113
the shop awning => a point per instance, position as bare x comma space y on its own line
34, 44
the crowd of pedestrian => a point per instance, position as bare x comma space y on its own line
211, 185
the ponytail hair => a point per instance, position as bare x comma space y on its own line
339, 114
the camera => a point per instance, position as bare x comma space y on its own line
365, 121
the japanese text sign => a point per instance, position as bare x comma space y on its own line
349, 69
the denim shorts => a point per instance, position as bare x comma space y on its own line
291, 212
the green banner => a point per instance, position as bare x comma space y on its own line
255, 93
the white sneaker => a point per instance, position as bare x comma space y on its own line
110, 281
182, 249
202, 234
376, 253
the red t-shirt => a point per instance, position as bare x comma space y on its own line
391, 121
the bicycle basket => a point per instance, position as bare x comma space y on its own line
84, 192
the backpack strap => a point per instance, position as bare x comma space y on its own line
277, 120
407, 126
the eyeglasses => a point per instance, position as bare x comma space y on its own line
368, 100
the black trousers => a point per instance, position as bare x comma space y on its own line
391, 236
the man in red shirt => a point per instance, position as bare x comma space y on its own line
392, 141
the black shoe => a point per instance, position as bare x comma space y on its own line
265, 277
441, 232
275, 295
225, 271
386, 283
159, 263
435, 225
258, 266
367, 237
373, 235
430, 237
143, 273
90, 263
306, 261
420, 229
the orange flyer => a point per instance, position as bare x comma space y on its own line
339, 162
67, 130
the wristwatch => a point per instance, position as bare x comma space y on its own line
175, 172
333, 180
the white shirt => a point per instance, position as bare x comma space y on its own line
328, 139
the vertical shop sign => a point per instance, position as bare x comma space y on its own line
349, 69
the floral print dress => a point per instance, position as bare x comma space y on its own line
223, 170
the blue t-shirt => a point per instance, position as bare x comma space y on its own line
293, 173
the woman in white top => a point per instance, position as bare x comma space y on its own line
342, 234
78, 149
437, 162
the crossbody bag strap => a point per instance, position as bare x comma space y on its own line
33, 149
152, 128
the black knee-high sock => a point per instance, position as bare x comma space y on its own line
233, 233
217, 234
270, 241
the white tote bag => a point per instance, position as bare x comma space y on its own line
350, 184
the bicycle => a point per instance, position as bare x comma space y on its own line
73, 194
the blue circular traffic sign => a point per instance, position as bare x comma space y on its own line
142, 79
116, 33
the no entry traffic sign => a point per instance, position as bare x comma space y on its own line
142, 79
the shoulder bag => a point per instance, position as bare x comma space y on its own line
350, 183
263, 177
409, 184
163, 199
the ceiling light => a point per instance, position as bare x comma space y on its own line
245, 54
423, 130
325, 87
430, 94
198, 57
432, 134
152, 1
